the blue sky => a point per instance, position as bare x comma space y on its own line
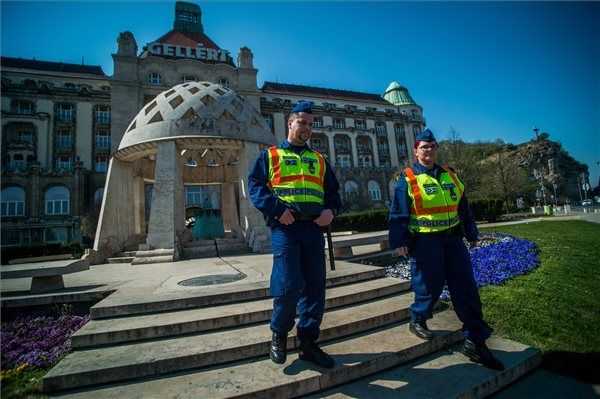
489, 70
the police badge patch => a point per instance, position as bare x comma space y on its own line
430, 188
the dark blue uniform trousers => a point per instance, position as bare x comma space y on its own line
439, 258
298, 278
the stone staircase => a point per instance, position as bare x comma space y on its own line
213, 343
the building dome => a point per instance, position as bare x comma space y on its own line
398, 95
194, 111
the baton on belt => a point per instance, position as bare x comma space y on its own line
330, 248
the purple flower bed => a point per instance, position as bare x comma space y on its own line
508, 256
497, 258
37, 341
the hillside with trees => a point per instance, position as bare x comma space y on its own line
532, 170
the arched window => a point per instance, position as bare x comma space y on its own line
13, 201
350, 190
374, 190
154, 78
365, 151
57, 200
400, 140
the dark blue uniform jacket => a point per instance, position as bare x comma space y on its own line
271, 206
400, 211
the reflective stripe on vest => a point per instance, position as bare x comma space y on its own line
296, 177
434, 201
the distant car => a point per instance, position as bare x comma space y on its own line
587, 202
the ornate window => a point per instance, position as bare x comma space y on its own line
317, 121
103, 114
57, 200
374, 190
13, 201
64, 138
343, 160
102, 139
65, 112
360, 124
101, 164
400, 140
365, 151
319, 143
339, 123
23, 107
350, 191
154, 78
64, 162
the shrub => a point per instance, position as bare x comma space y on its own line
371, 220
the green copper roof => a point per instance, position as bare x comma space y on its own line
398, 95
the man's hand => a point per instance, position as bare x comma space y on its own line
286, 217
325, 218
402, 251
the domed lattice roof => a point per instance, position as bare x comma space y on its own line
194, 110
398, 95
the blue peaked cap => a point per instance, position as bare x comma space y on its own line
425, 135
303, 106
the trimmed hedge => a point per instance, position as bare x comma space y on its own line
489, 210
371, 220
377, 219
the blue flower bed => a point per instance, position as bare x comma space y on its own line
37, 341
497, 258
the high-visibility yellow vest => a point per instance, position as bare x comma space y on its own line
434, 201
297, 178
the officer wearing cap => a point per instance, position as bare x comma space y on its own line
297, 192
429, 217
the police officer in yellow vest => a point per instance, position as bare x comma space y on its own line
428, 220
297, 192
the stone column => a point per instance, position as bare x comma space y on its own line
229, 208
167, 213
354, 150
393, 144
331, 143
279, 126
375, 149
139, 202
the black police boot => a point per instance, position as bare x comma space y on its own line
278, 352
420, 329
311, 352
480, 353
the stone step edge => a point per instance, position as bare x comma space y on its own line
145, 260
519, 362
340, 329
239, 293
84, 340
318, 379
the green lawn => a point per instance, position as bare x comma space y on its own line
557, 306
